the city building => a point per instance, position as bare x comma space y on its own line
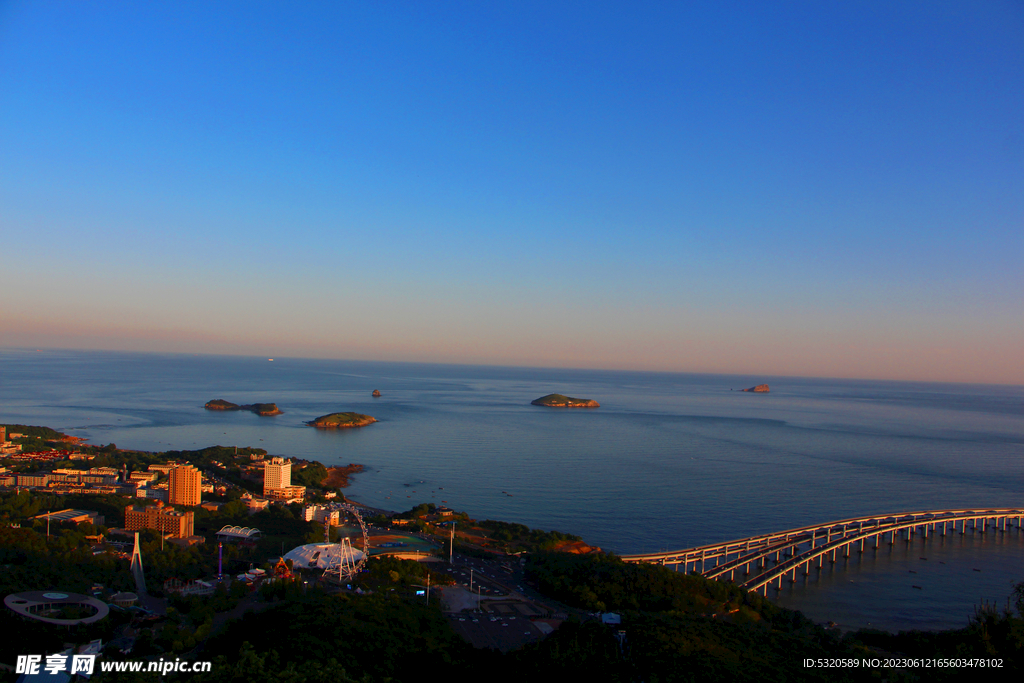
151, 493
39, 479
277, 481
185, 486
277, 474
143, 477
69, 515
178, 523
318, 513
164, 468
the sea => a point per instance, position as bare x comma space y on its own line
668, 461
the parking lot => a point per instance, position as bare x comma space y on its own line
506, 632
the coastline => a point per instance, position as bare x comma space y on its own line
338, 476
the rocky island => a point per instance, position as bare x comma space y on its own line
258, 408
376, 393
759, 389
562, 401
341, 421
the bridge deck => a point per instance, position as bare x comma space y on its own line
804, 545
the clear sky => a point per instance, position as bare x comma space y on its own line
827, 189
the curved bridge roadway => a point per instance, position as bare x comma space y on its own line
760, 561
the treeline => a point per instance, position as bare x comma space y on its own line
603, 582
509, 532
35, 432
367, 638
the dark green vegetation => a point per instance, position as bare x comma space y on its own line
518, 537
35, 432
376, 637
258, 408
38, 439
563, 401
341, 421
311, 474
681, 628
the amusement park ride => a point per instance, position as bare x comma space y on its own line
347, 561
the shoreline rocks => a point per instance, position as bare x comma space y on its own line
264, 409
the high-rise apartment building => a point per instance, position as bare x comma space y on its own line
277, 474
185, 486
277, 481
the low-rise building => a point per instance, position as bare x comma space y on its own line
143, 477
104, 471
152, 494
178, 523
285, 493
39, 479
76, 516
318, 513
256, 504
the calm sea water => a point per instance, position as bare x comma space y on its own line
668, 461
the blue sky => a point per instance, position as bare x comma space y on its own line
831, 189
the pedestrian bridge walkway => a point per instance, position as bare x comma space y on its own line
759, 561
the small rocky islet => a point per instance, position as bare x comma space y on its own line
563, 401
264, 409
341, 421
759, 389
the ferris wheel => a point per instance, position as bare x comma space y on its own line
346, 561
